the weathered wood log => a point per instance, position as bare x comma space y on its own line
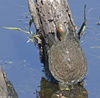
62, 53
6, 88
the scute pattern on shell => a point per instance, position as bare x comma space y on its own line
67, 62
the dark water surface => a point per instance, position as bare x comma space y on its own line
21, 61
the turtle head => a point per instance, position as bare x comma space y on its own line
61, 31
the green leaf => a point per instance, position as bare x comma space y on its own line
31, 33
12, 28
30, 23
37, 37
83, 29
8, 84
30, 40
18, 29
27, 28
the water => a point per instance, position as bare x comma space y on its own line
90, 42
21, 61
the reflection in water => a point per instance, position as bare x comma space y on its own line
46, 89
51, 90
75, 92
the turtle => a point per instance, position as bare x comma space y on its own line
67, 62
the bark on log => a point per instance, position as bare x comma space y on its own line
6, 88
62, 54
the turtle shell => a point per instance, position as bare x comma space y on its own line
67, 62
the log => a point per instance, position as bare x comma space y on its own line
6, 88
61, 53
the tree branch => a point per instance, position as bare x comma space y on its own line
84, 23
34, 13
